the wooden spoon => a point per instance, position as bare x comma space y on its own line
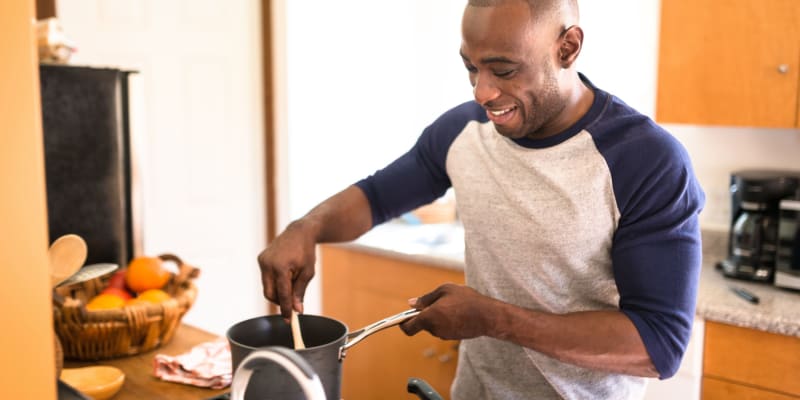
67, 255
296, 334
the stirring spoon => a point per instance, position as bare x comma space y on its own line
296, 334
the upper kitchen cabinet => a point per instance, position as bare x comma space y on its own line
729, 62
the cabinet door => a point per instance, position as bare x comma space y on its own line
716, 389
729, 62
754, 358
358, 289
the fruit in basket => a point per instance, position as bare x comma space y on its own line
144, 273
116, 286
153, 296
118, 279
121, 292
105, 301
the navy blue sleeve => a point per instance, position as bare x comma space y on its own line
419, 176
656, 253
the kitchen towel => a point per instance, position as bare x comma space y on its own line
205, 365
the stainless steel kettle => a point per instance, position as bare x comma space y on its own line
297, 367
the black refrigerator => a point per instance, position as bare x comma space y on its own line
85, 121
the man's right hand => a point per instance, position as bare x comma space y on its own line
287, 266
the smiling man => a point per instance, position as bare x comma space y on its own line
580, 216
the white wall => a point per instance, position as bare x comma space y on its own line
198, 120
364, 79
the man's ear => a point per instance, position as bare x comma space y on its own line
570, 46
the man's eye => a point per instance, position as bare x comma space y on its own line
504, 74
470, 68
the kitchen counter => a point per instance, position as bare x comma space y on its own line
140, 383
442, 245
778, 310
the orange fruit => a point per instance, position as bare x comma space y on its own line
105, 301
144, 273
154, 296
136, 301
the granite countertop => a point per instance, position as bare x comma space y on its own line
778, 310
442, 245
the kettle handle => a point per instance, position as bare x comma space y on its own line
422, 389
294, 364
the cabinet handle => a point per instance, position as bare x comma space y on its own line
429, 352
445, 358
783, 68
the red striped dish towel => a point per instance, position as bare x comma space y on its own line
205, 365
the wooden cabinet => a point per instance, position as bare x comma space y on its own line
741, 363
729, 62
721, 389
359, 288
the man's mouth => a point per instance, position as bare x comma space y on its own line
501, 115
500, 112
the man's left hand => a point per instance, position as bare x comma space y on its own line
452, 312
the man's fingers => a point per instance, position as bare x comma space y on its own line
426, 299
266, 278
411, 327
299, 289
269, 289
285, 298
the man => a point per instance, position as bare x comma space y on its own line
580, 214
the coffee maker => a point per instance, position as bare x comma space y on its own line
787, 257
755, 207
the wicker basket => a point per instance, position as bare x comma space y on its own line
133, 329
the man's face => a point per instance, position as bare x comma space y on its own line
512, 68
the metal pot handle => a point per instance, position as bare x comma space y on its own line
354, 337
294, 364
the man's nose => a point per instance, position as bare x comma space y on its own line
484, 89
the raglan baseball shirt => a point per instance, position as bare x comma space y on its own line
602, 216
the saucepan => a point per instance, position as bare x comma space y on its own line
327, 341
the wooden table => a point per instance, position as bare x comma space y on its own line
140, 383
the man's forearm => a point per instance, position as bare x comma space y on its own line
342, 217
604, 340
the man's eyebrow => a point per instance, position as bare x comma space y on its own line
490, 60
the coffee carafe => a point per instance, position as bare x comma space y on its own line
753, 240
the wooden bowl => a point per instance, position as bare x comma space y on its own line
99, 382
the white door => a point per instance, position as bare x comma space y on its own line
198, 128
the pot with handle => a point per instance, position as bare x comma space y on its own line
327, 341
